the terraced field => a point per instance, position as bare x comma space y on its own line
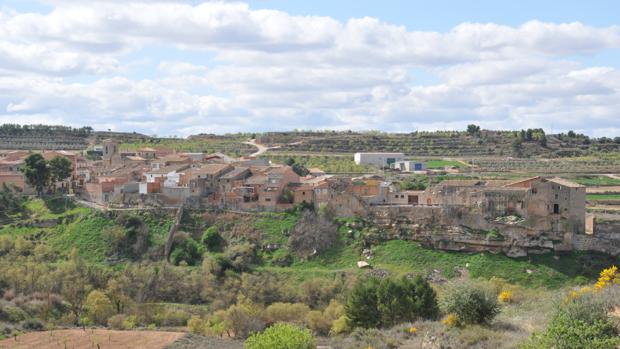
440, 143
562, 165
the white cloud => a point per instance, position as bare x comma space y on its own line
266, 69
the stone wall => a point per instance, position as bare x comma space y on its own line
457, 228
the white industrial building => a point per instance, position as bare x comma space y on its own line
378, 159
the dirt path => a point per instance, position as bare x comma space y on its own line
261, 148
104, 339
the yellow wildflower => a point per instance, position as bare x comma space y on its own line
413, 330
505, 297
451, 320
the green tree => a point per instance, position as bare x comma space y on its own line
473, 130
362, 308
186, 250
517, 146
10, 203
37, 172
60, 169
282, 336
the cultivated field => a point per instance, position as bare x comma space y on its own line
104, 339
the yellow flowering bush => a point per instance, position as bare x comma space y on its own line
413, 330
451, 320
607, 277
505, 297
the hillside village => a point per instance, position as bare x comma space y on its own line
525, 215
225, 244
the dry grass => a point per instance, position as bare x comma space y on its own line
106, 339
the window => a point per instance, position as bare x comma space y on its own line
534, 190
556, 209
267, 199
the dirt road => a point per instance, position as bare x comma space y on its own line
261, 148
91, 338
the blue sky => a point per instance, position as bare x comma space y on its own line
183, 67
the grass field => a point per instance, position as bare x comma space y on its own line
440, 164
596, 180
596, 197
401, 257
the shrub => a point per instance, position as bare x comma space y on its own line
317, 322
286, 312
212, 240
322, 322
130, 322
241, 257
282, 336
470, 304
340, 325
196, 325
6, 244
32, 325
98, 307
579, 323
116, 321
12, 314
22, 246
186, 250
242, 321
171, 318
317, 292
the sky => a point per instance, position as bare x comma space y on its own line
182, 67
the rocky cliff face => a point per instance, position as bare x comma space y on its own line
457, 229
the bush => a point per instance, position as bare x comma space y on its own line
6, 244
470, 304
98, 307
186, 250
243, 321
286, 312
116, 321
241, 257
281, 336
32, 325
196, 325
387, 302
340, 325
212, 240
171, 318
579, 323
317, 292
12, 314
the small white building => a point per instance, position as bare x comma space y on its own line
378, 159
409, 166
